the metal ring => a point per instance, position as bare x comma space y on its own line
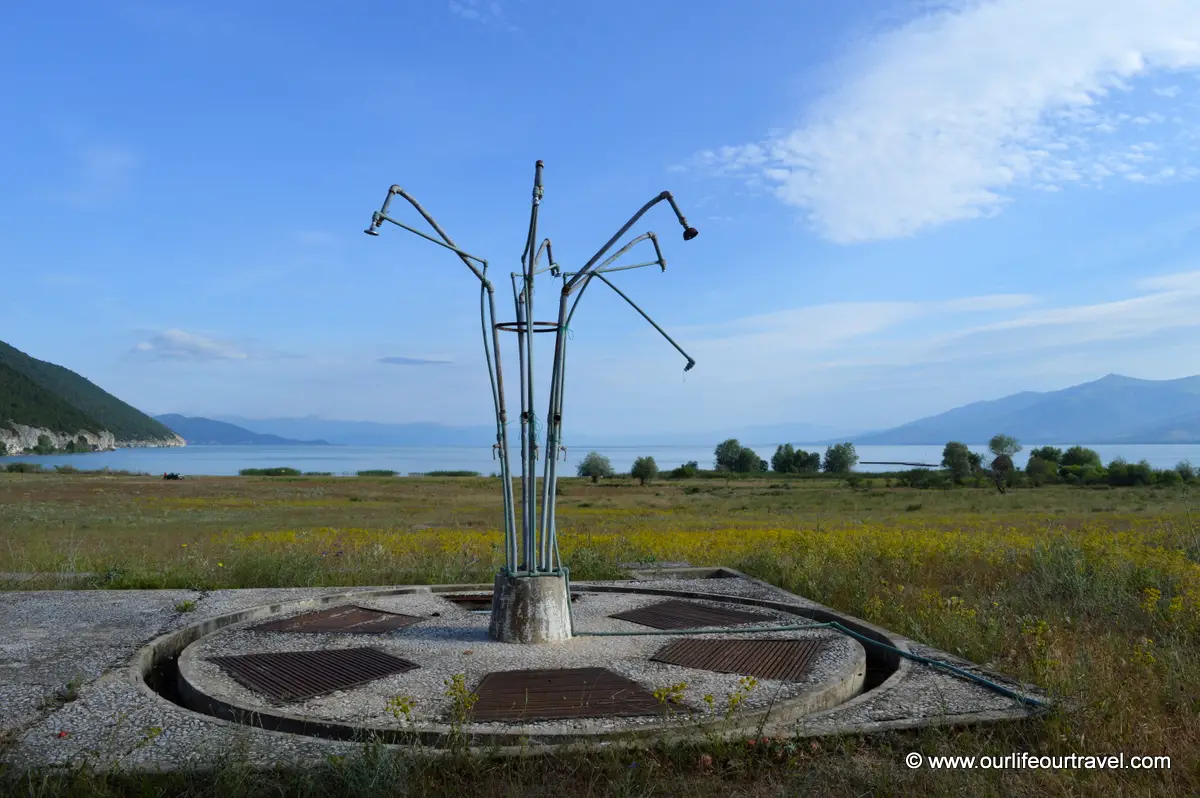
521, 326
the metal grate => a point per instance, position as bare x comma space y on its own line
675, 614
512, 696
356, 620
785, 660
299, 675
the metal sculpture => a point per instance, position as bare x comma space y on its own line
533, 551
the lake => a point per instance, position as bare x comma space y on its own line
228, 460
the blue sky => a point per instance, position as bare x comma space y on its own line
903, 206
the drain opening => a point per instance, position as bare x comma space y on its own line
481, 603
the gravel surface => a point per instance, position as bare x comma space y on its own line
50, 638
456, 642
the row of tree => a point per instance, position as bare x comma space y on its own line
1049, 464
731, 457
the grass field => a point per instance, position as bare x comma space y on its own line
1092, 593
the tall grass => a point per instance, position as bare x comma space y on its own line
1094, 595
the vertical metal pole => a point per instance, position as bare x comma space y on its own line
554, 435
518, 305
487, 313
530, 508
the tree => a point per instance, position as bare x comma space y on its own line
1004, 445
595, 465
783, 461
1041, 471
1186, 470
726, 454
644, 469
1079, 456
748, 462
806, 462
1050, 454
840, 458
957, 458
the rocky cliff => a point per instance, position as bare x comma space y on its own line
18, 439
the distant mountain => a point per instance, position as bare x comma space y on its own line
368, 433
1113, 409
206, 432
760, 434
38, 395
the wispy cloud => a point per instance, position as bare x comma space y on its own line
946, 117
482, 11
883, 363
872, 334
400, 360
180, 345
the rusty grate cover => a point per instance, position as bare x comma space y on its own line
299, 675
785, 660
356, 620
675, 614
551, 694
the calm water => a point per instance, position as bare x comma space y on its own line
227, 460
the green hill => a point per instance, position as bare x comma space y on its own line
24, 401
41, 394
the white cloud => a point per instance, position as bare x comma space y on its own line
180, 345
943, 118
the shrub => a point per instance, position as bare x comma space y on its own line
1169, 476
1186, 470
1123, 474
1041, 471
277, 471
452, 473
376, 472
685, 471
24, 468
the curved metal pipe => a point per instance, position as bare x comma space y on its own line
688, 234
690, 361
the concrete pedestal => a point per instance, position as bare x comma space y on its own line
530, 609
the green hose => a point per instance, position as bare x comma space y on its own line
965, 674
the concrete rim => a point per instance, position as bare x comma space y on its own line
172, 645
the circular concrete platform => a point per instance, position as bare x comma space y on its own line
588, 688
